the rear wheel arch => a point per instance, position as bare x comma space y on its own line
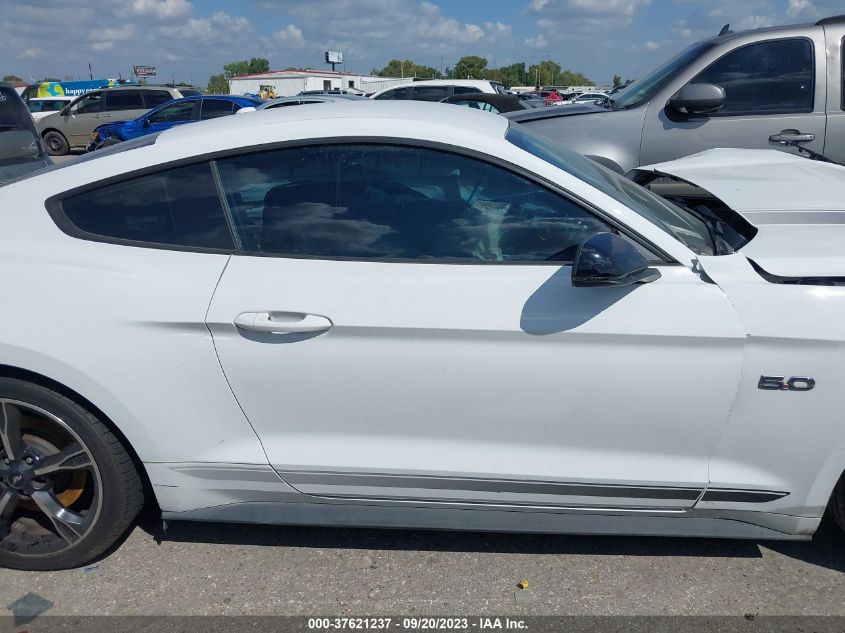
9, 371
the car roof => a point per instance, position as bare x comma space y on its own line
318, 98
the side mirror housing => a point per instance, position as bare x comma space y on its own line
146, 123
607, 259
65, 111
698, 99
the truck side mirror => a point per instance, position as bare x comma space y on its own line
698, 99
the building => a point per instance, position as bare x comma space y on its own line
292, 81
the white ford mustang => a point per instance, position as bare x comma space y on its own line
413, 315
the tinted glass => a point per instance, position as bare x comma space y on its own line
155, 98
681, 225
179, 207
190, 92
182, 111
398, 93
460, 90
18, 138
91, 103
124, 100
213, 108
478, 105
429, 93
389, 202
773, 76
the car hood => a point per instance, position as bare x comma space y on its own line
766, 186
796, 204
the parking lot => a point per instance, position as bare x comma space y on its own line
214, 569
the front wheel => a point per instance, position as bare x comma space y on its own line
68, 488
56, 143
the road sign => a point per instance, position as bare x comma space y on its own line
144, 71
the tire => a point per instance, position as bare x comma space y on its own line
98, 484
56, 143
836, 505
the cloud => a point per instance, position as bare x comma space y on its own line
290, 36
161, 9
211, 30
537, 42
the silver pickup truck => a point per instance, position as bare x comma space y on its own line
751, 89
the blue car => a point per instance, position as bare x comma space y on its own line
168, 115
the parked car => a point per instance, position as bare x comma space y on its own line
438, 89
531, 100
43, 106
751, 89
72, 127
21, 150
172, 113
489, 103
410, 315
283, 102
586, 98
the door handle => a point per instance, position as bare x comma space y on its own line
282, 322
792, 136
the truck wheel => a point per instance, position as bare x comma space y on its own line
68, 488
836, 506
56, 143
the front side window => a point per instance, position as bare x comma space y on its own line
462, 90
429, 93
91, 103
154, 98
381, 202
768, 77
477, 105
397, 93
214, 108
124, 100
178, 207
182, 111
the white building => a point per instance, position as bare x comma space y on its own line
292, 81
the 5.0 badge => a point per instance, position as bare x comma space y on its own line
779, 383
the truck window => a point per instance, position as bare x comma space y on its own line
770, 77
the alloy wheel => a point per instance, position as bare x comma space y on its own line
50, 486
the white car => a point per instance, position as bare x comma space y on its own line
410, 315
45, 106
587, 98
437, 89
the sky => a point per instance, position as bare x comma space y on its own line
188, 40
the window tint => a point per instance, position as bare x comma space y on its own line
91, 103
213, 108
460, 90
181, 111
398, 93
773, 76
178, 207
124, 100
154, 98
392, 202
429, 93
190, 92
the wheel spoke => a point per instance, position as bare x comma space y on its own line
73, 457
10, 430
8, 503
68, 523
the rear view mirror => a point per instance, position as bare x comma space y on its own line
607, 259
698, 99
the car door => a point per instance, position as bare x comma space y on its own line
123, 104
215, 108
771, 86
85, 115
402, 326
172, 114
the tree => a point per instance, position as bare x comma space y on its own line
513, 75
12, 79
406, 68
244, 67
218, 85
469, 67
617, 81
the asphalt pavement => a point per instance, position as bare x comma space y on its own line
225, 569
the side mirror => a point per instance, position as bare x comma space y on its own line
146, 123
245, 109
606, 259
65, 111
698, 99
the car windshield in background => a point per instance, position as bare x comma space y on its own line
678, 223
643, 89
18, 138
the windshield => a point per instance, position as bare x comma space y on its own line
678, 223
18, 138
644, 89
